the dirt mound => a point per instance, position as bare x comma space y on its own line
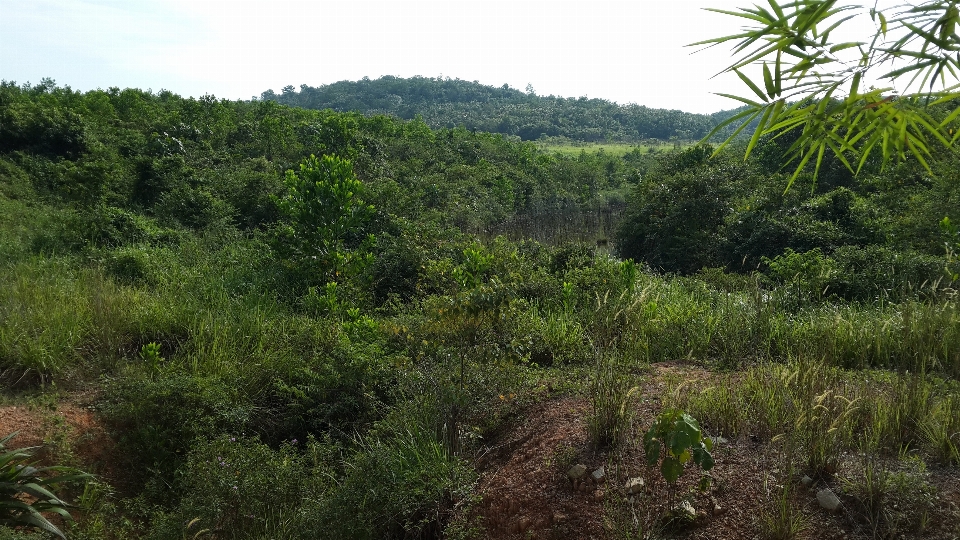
526, 493
523, 477
67, 434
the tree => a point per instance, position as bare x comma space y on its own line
820, 90
325, 212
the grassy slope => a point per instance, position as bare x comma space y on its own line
374, 407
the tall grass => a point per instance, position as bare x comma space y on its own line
828, 411
672, 319
55, 318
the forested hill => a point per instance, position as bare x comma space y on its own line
448, 103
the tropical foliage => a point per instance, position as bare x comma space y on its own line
822, 93
448, 103
345, 309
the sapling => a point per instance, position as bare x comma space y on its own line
681, 439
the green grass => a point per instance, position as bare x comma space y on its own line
573, 149
251, 364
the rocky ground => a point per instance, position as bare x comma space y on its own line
540, 477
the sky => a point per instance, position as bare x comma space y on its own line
622, 51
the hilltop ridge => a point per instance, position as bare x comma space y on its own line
448, 103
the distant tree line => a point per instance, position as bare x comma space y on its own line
449, 103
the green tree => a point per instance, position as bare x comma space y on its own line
674, 218
324, 213
820, 90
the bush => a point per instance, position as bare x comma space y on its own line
675, 217
879, 272
156, 437
403, 482
342, 394
241, 488
130, 265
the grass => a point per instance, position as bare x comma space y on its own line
869, 432
394, 387
573, 149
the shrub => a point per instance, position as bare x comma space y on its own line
674, 440
806, 274
675, 217
240, 488
341, 394
156, 437
403, 482
879, 272
25, 490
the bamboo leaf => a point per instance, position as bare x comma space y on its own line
844, 46
768, 81
759, 131
746, 80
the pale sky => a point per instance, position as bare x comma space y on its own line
623, 51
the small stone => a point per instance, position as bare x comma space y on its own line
806, 481
598, 475
684, 511
598, 495
828, 500
634, 486
577, 471
719, 510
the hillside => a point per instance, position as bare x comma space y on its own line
250, 320
448, 103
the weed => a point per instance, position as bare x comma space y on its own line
612, 390
894, 496
941, 430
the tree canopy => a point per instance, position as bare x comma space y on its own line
448, 103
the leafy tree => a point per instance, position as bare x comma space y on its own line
821, 92
675, 216
323, 209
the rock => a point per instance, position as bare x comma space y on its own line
828, 500
577, 471
806, 481
633, 486
598, 475
684, 512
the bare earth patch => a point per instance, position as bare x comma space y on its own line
69, 433
526, 493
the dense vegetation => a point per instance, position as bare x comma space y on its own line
448, 103
287, 346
